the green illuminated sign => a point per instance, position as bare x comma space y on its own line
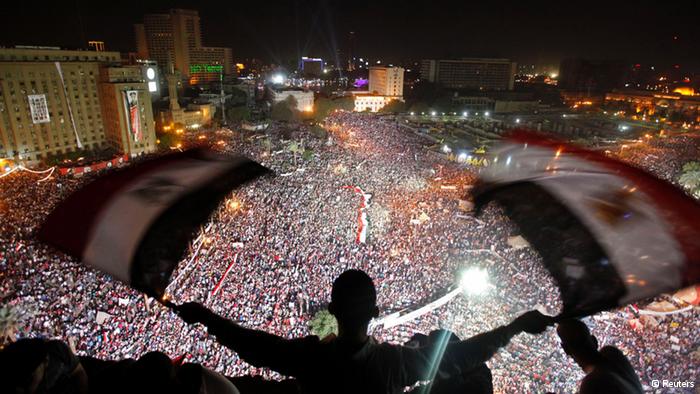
206, 68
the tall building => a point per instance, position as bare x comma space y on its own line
311, 66
386, 81
352, 52
174, 40
385, 86
470, 73
51, 102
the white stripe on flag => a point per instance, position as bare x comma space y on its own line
136, 207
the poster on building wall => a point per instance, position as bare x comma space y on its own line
38, 108
133, 115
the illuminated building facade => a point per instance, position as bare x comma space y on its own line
470, 73
372, 102
174, 40
386, 81
50, 102
127, 112
54, 102
304, 98
644, 103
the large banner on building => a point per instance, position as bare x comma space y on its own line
133, 116
38, 108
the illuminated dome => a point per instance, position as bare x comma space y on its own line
685, 90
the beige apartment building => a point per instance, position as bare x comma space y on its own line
386, 81
51, 103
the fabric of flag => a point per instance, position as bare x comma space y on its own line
609, 233
136, 223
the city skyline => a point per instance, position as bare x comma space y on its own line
279, 32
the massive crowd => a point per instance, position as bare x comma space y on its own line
290, 235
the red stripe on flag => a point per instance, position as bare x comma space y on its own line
221, 281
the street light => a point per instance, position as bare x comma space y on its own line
486, 114
517, 120
465, 113
474, 281
446, 149
433, 113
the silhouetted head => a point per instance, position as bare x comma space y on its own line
577, 341
22, 364
353, 300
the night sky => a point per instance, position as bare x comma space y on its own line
647, 32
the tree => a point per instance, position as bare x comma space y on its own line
318, 132
238, 97
691, 166
285, 110
323, 324
394, 106
420, 107
295, 149
237, 114
690, 179
9, 323
167, 140
307, 155
325, 106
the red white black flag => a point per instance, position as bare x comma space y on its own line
609, 233
135, 224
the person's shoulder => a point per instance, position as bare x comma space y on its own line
612, 352
599, 381
614, 356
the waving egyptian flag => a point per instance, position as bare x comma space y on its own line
609, 233
135, 224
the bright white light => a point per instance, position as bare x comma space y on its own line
462, 156
152, 86
465, 114
277, 79
474, 280
150, 73
433, 113
446, 149
517, 120
508, 161
413, 113
486, 113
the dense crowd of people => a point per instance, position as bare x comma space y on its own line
290, 235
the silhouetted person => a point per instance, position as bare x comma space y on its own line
607, 370
39, 366
447, 378
353, 362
